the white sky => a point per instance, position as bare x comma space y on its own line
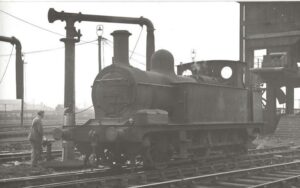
211, 28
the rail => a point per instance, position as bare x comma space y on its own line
141, 177
5, 157
237, 177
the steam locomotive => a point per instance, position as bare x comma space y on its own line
156, 116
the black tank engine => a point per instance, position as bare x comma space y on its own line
156, 116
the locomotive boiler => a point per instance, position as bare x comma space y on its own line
156, 116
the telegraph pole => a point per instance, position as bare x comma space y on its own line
5, 116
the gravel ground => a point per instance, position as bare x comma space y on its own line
14, 147
272, 141
21, 169
9, 147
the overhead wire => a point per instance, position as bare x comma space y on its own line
58, 48
135, 53
56, 33
84, 109
137, 41
44, 50
34, 25
44, 29
7, 64
110, 45
139, 62
51, 49
27, 22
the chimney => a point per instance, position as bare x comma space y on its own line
121, 47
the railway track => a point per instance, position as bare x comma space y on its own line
22, 156
127, 177
268, 150
279, 175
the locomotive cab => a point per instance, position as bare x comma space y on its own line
223, 72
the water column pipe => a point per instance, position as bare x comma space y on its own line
19, 71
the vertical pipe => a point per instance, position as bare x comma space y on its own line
22, 112
99, 53
19, 75
69, 98
150, 47
19, 71
19, 65
19, 79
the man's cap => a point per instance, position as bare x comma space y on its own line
41, 112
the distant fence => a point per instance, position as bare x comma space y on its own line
282, 111
52, 117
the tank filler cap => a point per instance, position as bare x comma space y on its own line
162, 61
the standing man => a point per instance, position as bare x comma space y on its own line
36, 137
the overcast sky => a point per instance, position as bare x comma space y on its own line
211, 28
